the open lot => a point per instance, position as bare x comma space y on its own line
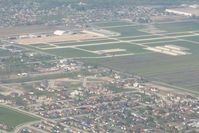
13, 117
127, 52
84, 35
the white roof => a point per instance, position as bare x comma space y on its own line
59, 32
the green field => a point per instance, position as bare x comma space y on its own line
127, 31
148, 41
14, 118
179, 26
86, 42
42, 45
138, 37
192, 38
111, 24
130, 48
70, 53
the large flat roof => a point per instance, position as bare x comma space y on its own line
190, 10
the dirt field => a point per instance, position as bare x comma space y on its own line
62, 38
20, 30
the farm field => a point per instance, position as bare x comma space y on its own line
14, 118
128, 51
176, 71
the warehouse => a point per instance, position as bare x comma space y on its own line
188, 11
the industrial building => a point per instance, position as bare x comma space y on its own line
189, 11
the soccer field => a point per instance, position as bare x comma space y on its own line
141, 49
